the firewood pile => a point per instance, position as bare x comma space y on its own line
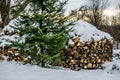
89, 55
7, 32
11, 54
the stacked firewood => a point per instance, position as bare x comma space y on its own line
89, 55
7, 32
1, 54
11, 54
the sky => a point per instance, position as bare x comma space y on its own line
114, 2
73, 4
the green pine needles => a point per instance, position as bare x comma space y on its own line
45, 30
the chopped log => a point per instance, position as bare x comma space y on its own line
99, 60
3, 50
1, 57
9, 59
94, 66
6, 32
85, 61
79, 44
74, 48
85, 67
85, 47
75, 40
89, 65
0, 49
68, 50
70, 45
82, 60
72, 61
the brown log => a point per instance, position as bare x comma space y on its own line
85, 55
85, 61
70, 45
1, 57
0, 49
77, 68
82, 60
79, 44
94, 66
85, 47
3, 50
85, 67
9, 59
73, 61
74, 48
68, 50
99, 60
72, 67
81, 65
89, 65
75, 40
6, 32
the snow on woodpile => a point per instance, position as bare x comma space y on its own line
85, 31
86, 42
81, 29
8, 34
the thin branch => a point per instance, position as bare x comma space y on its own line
22, 6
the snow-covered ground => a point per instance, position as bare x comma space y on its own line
17, 71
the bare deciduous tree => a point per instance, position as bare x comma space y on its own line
93, 10
8, 11
116, 28
118, 14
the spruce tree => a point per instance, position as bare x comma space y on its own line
45, 31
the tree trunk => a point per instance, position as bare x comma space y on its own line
42, 52
4, 12
42, 64
117, 45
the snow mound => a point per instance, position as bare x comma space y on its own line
112, 67
87, 31
116, 51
